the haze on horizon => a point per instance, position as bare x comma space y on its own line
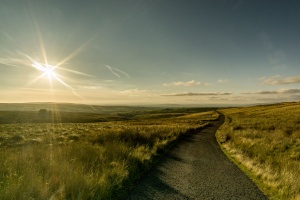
150, 52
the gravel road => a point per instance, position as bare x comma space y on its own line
196, 168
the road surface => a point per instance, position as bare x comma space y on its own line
196, 168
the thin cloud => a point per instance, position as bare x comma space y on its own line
278, 80
285, 91
188, 83
277, 100
74, 72
198, 94
223, 81
137, 92
290, 91
117, 72
14, 62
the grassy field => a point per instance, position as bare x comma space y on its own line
265, 142
87, 160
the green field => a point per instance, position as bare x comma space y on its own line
97, 160
265, 142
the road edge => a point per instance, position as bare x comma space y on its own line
244, 169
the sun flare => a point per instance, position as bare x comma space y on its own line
52, 73
47, 70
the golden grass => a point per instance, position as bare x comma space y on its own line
265, 140
83, 161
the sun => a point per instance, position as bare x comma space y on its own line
47, 70
51, 72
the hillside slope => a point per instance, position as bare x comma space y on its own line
265, 142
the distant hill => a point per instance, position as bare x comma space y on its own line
81, 113
70, 107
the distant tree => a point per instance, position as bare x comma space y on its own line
42, 113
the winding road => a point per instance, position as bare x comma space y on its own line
196, 168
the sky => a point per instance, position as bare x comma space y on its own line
138, 52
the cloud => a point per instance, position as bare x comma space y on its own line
14, 62
198, 94
290, 91
117, 72
137, 92
277, 80
188, 83
285, 91
277, 100
223, 81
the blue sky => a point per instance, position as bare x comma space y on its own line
150, 51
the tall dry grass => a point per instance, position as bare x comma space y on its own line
265, 140
84, 161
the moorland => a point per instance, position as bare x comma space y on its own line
265, 142
69, 151
49, 153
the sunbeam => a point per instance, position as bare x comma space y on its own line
48, 70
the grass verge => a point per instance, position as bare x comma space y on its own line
264, 141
